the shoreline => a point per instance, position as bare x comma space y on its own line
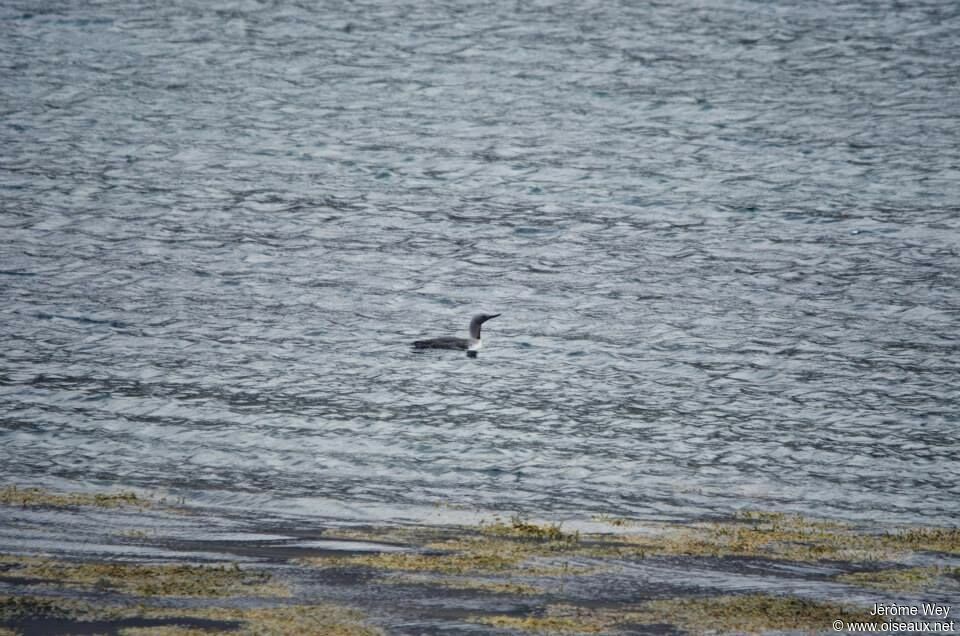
121, 563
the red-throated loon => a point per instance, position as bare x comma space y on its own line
471, 345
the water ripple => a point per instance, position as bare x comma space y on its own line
722, 236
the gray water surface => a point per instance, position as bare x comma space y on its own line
724, 237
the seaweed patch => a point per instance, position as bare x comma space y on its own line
905, 579
145, 579
782, 536
489, 549
294, 620
14, 496
741, 614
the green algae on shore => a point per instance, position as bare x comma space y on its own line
741, 614
14, 608
586, 623
917, 579
459, 557
785, 537
925, 539
325, 619
484, 566
492, 586
14, 496
496, 548
521, 528
145, 579
515, 548
749, 613
447, 563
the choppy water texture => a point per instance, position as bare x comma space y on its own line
723, 237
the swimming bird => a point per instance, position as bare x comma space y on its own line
471, 345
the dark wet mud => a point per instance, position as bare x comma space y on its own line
124, 564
